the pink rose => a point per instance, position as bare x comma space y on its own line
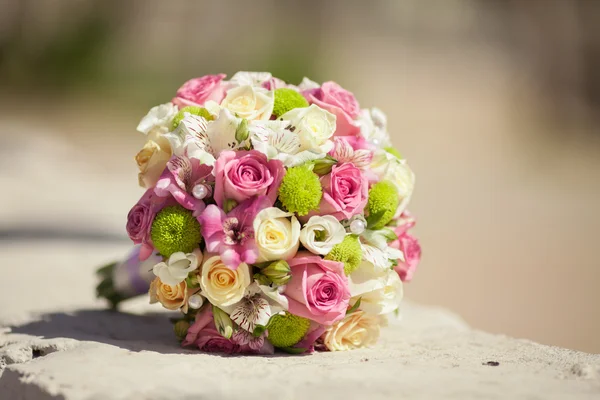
409, 245
340, 102
198, 91
243, 174
318, 289
345, 192
204, 335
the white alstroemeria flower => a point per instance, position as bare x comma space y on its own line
158, 116
314, 126
177, 267
380, 289
273, 139
321, 233
373, 127
195, 137
249, 102
258, 305
245, 78
343, 152
307, 84
388, 167
375, 249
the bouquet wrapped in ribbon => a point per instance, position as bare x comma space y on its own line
274, 217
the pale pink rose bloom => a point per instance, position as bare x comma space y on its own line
340, 102
198, 91
243, 174
345, 192
408, 245
318, 289
204, 335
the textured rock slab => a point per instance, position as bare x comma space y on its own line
57, 342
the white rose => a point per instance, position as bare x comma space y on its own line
256, 79
277, 237
314, 126
373, 127
356, 330
249, 102
221, 285
177, 267
153, 157
321, 233
389, 167
380, 289
158, 116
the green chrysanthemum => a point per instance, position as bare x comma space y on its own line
393, 151
382, 204
348, 252
195, 110
175, 229
300, 190
287, 329
286, 100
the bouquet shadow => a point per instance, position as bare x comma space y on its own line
133, 332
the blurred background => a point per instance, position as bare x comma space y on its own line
496, 105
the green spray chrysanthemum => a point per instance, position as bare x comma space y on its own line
175, 229
194, 110
287, 329
286, 100
300, 190
348, 252
382, 204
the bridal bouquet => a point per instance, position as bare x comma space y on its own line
274, 215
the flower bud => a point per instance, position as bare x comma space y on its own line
229, 205
262, 280
278, 272
223, 322
181, 327
324, 165
242, 133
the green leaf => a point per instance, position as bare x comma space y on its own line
374, 219
354, 307
293, 350
259, 330
389, 234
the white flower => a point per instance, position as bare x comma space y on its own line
388, 167
158, 116
321, 233
277, 237
245, 78
379, 288
375, 249
221, 285
356, 330
307, 84
373, 127
249, 102
314, 126
177, 267
257, 306
195, 137
273, 139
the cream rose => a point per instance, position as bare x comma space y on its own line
314, 126
321, 233
379, 288
158, 117
356, 330
152, 159
276, 235
171, 297
221, 285
388, 167
249, 102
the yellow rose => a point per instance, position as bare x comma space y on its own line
153, 157
221, 285
356, 330
171, 297
277, 237
250, 102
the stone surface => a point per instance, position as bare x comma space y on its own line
58, 342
